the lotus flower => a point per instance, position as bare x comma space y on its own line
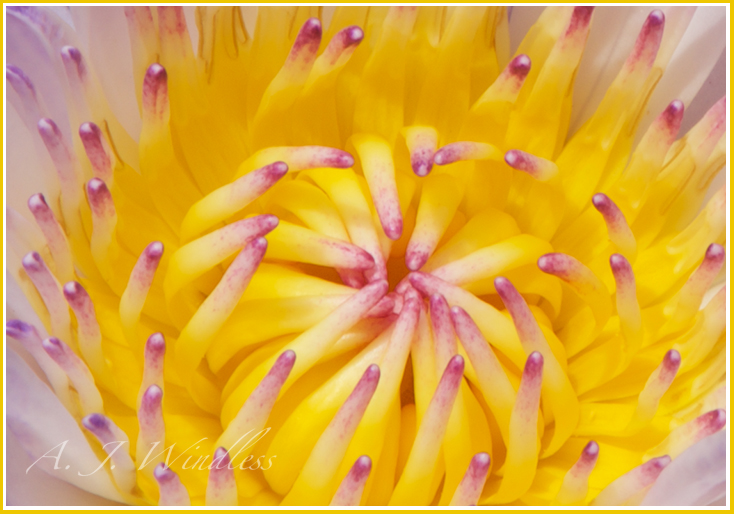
405, 256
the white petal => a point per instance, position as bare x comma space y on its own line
34, 38
105, 43
690, 65
614, 30
41, 423
38, 487
521, 18
696, 477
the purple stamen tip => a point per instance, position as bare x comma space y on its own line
363, 464
95, 422
656, 17
618, 263
534, 362
672, 359
37, 203
372, 372
47, 127
715, 251
154, 250
32, 261
312, 28
502, 285
163, 473
520, 65
53, 345
70, 52
72, 290
88, 130
96, 186
482, 460
13, 74
279, 168
156, 342
456, 364
156, 71
153, 394
354, 34
16, 326
591, 449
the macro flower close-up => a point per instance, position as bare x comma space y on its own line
366, 255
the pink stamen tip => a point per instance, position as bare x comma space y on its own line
308, 38
580, 18
156, 73
53, 346
504, 287
520, 66
656, 17
221, 458
340, 159
96, 187
620, 265
260, 244
456, 366
715, 252
37, 204
275, 170
480, 463
32, 262
652, 468
591, 450
312, 27
675, 110
154, 250
552, 262
353, 34
156, 343
163, 474
17, 329
394, 228
152, 397
383, 308
671, 362
362, 467
445, 155
284, 364
601, 202
70, 52
372, 373
534, 364
712, 421
75, 294
97, 424
15, 76
49, 131
416, 259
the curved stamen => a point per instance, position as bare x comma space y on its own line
195, 258
575, 484
470, 488
537, 167
230, 199
655, 388
221, 490
104, 223
197, 335
138, 285
78, 373
55, 236
628, 307
351, 488
152, 434
466, 151
89, 335
50, 292
254, 413
631, 483
153, 360
522, 451
422, 142
172, 492
326, 456
97, 151
689, 434
691, 295
155, 95
414, 484
619, 231
115, 443
379, 171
